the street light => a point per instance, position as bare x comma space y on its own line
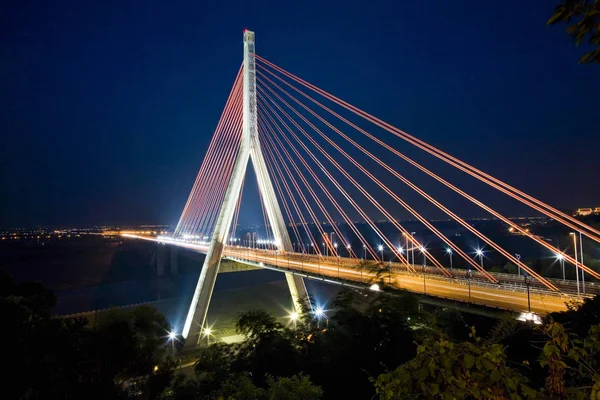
412, 234
561, 260
527, 283
319, 312
380, 248
469, 282
480, 254
576, 261
207, 334
348, 247
449, 252
365, 251
423, 251
582, 270
294, 317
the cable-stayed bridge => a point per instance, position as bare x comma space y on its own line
320, 160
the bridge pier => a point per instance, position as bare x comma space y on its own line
174, 267
161, 259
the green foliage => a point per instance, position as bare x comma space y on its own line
583, 20
52, 357
296, 387
447, 370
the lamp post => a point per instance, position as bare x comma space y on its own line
294, 317
319, 313
469, 282
576, 261
207, 333
527, 283
581, 256
449, 252
335, 246
561, 260
365, 251
518, 257
172, 336
380, 248
413, 249
407, 254
480, 254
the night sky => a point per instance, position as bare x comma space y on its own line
107, 107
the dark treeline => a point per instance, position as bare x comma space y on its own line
366, 345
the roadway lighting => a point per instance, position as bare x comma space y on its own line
294, 317
319, 312
207, 334
335, 245
561, 260
576, 260
172, 335
380, 248
400, 250
449, 252
480, 254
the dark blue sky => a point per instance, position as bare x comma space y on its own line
107, 107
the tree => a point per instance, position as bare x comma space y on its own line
269, 347
583, 20
447, 370
296, 387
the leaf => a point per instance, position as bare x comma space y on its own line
469, 361
495, 376
423, 373
434, 389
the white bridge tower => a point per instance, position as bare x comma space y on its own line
249, 148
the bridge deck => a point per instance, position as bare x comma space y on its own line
511, 294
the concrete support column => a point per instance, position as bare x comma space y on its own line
161, 259
174, 260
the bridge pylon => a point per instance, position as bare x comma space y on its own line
249, 149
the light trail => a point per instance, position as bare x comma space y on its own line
542, 302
